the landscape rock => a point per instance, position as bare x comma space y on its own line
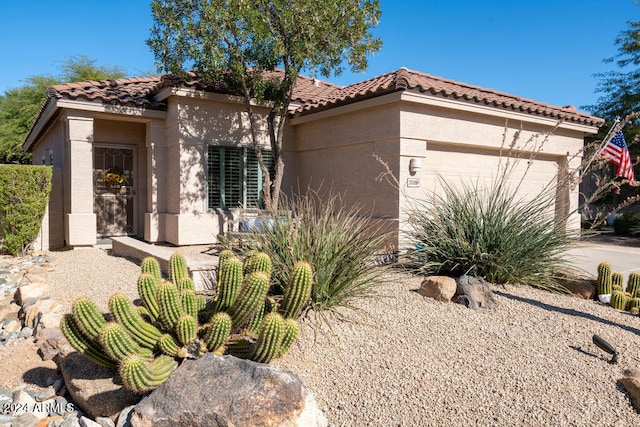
105, 422
28, 419
70, 421
35, 274
5, 340
440, 288
46, 394
95, 388
11, 325
7, 420
124, 419
32, 290
53, 345
27, 404
26, 332
631, 383
9, 310
227, 391
5, 396
474, 292
86, 422
578, 282
45, 313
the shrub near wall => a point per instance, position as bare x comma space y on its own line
24, 194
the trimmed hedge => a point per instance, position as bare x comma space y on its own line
24, 194
625, 224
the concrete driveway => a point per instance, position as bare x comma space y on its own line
623, 259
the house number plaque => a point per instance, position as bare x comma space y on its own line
413, 182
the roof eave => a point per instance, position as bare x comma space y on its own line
415, 96
41, 122
54, 105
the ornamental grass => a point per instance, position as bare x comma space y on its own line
342, 242
489, 231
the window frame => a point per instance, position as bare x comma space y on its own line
245, 164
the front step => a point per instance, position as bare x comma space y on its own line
132, 248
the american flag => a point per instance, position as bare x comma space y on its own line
616, 150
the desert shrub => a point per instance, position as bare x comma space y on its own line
625, 224
342, 242
489, 232
24, 194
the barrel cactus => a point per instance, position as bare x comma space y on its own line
617, 282
619, 300
633, 284
146, 343
604, 279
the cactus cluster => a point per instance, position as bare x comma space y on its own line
610, 282
146, 343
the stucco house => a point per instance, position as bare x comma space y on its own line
167, 160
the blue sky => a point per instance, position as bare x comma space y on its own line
544, 50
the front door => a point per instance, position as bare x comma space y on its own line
114, 189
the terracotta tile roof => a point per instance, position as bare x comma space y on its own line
130, 91
404, 79
316, 95
307, 89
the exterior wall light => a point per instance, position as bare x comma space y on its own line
414, 166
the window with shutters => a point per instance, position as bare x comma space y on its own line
234, 176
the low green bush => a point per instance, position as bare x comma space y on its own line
626, 224
342, 242
489, 232
24, 194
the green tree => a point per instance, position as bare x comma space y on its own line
620, 88
235, 42
18, 109
19, 106
620, 98
81, 68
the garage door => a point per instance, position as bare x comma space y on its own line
459, 165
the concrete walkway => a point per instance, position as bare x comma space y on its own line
587, 256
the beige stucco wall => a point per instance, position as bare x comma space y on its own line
335, 148
49, 151
179, 213
338, 153
461, 145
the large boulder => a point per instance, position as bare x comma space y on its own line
227, 391
474, 292
96, 389
440, 288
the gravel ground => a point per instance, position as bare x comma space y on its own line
406, 360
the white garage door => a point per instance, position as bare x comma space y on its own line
457, 166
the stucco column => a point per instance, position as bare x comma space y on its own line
156, 180
80, 219
574, 219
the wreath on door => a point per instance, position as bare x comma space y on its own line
114, 179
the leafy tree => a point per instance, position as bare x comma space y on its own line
236, 42
620, 89
19, 106
80, 68
620, 98
18, 109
